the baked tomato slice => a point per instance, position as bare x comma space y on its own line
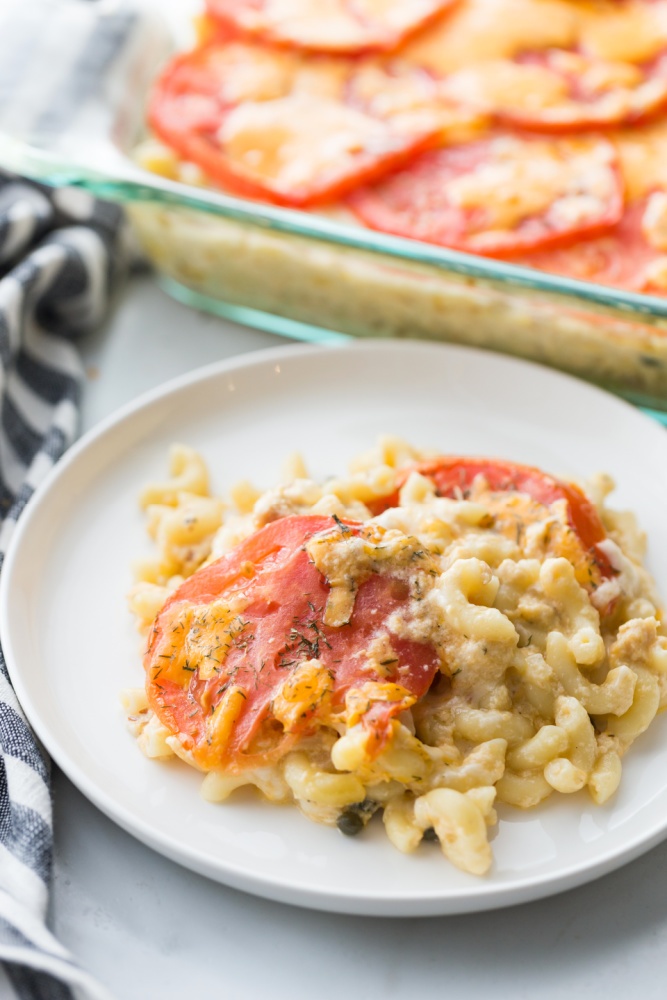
334, 26
499, 484
500, 195
240, 663
271, 124
632, 255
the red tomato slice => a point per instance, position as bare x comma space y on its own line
271, 124
501, 195
334, 26
595, 94
623, 257
279, 627
454, 476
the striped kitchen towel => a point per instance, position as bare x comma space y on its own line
61, 257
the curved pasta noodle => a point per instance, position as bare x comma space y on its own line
405, 760
613, 695
605, 777
188, 475
154, 738
642, 711
192, 519
564, 776
480, 726
484, 765
523, 790
547, 743
558, 582
400, 824
587, 646
417, 489
538, 684
460, 825
573, 719
466, 579
217, 787
145, 600
321, 787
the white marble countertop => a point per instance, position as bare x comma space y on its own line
148, 928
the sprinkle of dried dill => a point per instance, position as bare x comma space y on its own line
343, 527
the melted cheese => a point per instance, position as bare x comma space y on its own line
298, 140
608, 90
307, 687
643, 158
503, 84
597, 77
655, 275
198, 637
323, 77
509, 191
480, 30
568, 180
628, 32
414, 100
381, 658
387, 93
250, 73
654, 221
346, 560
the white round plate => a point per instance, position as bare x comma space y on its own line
71, 645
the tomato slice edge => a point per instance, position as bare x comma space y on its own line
453, 473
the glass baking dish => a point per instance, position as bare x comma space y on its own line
73, 86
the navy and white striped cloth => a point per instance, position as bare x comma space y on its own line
61, 256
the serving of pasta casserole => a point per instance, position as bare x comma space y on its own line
424, 638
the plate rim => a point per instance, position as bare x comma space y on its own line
477, 897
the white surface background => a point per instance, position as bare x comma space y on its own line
148, 928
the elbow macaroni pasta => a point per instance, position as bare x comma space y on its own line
545, 682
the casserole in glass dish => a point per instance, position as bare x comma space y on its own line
73, 98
